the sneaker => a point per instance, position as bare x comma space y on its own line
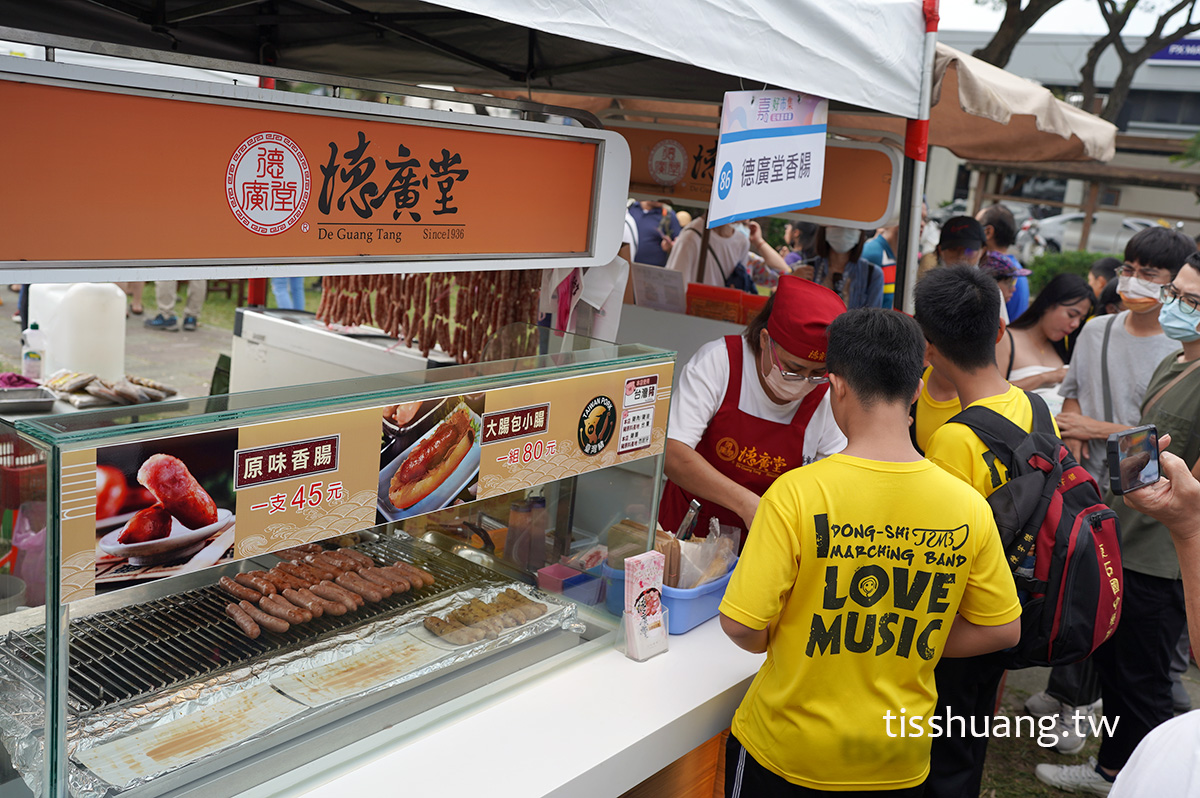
161, 322
1075, 778
189, 323
1072, 730
1180, 699
1041, 705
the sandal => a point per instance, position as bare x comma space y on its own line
137, 310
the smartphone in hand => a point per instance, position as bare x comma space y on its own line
1133, 459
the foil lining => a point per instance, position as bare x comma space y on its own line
22, 711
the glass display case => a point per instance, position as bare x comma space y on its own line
234, 584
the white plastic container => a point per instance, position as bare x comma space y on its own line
84, 328
33, 351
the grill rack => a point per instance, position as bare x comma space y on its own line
125, 655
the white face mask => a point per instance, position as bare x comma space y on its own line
787, 390
841, 239
741, 228
1139, 295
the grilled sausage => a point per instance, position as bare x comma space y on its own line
356, 584
244, 621
342, 561
326, 563
357, 556
309, 605
282, 579
239, 592
280, 607
172, 484
255, 582
384, 581
331, 592
408, 568
269, 622
306, 575
398, 576
327, 606
326, 571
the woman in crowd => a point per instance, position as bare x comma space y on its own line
747, 408
1036, 346
839, 267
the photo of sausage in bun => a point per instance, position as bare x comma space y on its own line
432, 460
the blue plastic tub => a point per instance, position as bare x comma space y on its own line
689, 608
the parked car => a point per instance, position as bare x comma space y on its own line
1109, 232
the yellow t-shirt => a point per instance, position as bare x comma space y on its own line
957, 449
931, 413
861, 565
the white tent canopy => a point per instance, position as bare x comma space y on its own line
866, 53
862, 52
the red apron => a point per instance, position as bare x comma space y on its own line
750, 451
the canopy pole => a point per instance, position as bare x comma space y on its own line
912, 190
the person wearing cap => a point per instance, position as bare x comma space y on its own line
747, 408
1004, 270
1000, 230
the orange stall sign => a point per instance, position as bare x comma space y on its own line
119, 172
678, 164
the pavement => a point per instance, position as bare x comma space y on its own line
182, 360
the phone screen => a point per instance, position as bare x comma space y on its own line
1136, 455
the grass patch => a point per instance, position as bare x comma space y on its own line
219, 310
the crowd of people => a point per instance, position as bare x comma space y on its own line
872, 572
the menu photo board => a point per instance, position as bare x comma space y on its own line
146, 510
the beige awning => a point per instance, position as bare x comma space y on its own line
998, 116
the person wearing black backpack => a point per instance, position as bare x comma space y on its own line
1060, 541
1134, 666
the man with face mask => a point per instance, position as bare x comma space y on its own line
745, 409
1127, 347
1134, 665
840, 267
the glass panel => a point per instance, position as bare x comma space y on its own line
551, 355
23, 601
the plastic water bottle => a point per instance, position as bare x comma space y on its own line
33, 352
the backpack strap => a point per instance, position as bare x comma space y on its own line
1001, 435
1012, 351
706, 248
1105, 387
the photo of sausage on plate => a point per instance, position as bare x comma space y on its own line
177, 490
152, 523
427, 465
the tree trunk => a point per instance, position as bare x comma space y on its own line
1119, 93
1087, 74
1016, 23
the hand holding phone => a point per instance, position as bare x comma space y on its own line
1133, 459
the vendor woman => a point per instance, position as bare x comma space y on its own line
746, 408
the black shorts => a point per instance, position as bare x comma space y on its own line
746, 778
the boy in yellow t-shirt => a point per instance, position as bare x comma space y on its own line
860, 572
957, 308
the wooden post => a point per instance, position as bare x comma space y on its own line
981, 188
1089, 209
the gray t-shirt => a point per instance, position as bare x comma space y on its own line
1131, 363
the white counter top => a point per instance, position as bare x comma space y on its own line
593, 728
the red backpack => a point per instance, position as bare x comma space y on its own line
1061, 541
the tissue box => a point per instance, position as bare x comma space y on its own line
689, 608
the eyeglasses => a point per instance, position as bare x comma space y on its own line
795, 376
1188, 304
1148, 273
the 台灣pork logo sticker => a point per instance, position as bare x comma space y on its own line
267, 183
596, 425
